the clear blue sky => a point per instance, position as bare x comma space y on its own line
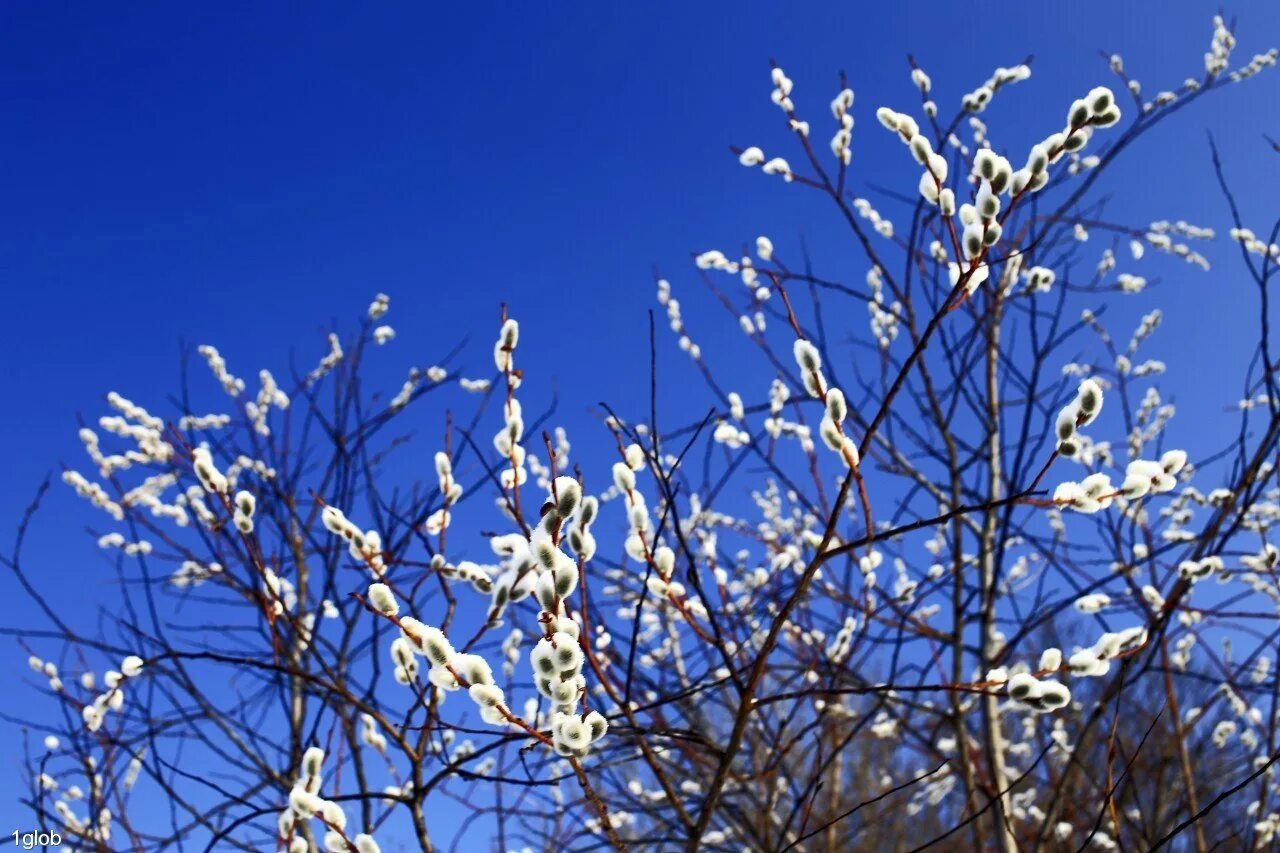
243, 176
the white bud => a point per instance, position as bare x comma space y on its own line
568, 494
1023, 687
486, 695
623, 477
807, 356
1173, 461
131, 666
436, 646
837, 409
383, 599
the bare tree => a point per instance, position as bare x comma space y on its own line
974, 611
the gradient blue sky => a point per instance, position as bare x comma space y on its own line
246, 175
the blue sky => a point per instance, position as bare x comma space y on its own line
245, 177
